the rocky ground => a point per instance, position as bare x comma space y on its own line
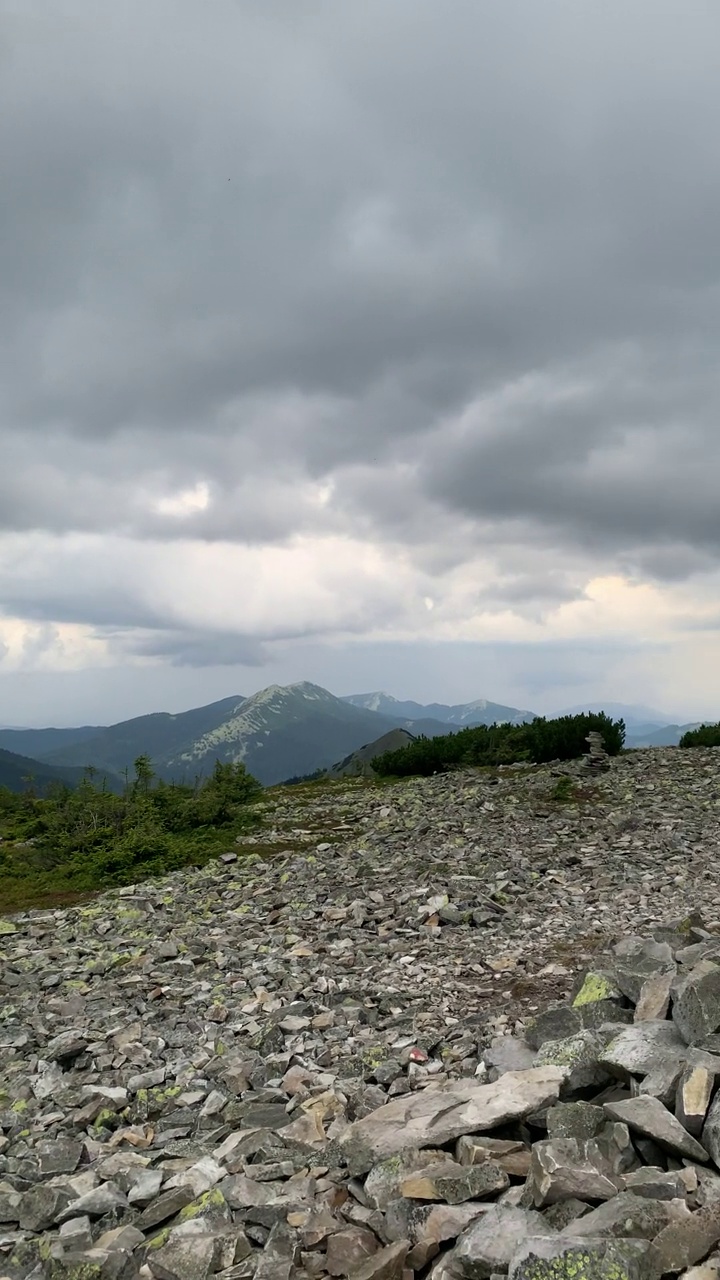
184, 1064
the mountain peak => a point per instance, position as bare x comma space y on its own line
372, 701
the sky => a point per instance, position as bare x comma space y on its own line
370, 344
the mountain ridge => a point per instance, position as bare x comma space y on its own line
279, 732
462, 714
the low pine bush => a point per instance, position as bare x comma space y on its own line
538, 742
89, 838
706, 735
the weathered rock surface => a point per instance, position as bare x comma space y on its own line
648, 1116
439, 1115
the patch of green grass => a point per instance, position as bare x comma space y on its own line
564, 791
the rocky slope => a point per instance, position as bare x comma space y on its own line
210, 1073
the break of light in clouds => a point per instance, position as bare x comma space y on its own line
373, 345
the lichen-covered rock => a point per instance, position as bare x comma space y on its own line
626, 1215
383, 1182
556, 1023
597, 985
590, 1259
93, 1264
579, 1057
455, 1183
696, 1002
575, 1120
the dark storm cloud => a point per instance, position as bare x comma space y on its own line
462, 259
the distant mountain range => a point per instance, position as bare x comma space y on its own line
278, 733
644, 726
461, 714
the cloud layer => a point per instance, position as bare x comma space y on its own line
328, 328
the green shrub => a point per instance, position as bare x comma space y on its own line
706, 735
91, 838
482, 745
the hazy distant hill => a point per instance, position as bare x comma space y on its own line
667, 735
358, 763
41, 742
461, 714
635, 714
20, 773
116, 746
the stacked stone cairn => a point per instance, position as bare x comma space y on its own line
587, 1150
596, 757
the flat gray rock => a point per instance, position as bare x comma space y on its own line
681, 1244
649, 1117
437, 1116
637, 960
654, 998
626, 1215
642, 1048
710, 1135
565, 1167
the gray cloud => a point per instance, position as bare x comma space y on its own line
462, 261
197, 649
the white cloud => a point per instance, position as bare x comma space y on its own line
185, 503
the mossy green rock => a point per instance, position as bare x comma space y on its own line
596, 986
211, 1207
546, 1258
96, 1264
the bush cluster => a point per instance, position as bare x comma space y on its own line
87, 838
537, 742
706, 735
